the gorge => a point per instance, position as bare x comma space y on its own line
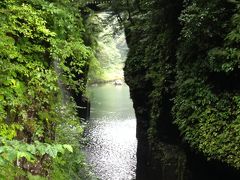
182, 70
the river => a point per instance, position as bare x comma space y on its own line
111, 150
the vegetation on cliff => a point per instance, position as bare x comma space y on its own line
43, 50
183, 64
207, 99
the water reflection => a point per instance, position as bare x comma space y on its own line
111, 131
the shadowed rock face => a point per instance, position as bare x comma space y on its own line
159, 153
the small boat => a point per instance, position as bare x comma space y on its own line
118, 83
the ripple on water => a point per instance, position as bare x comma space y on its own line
112, 148
112, 133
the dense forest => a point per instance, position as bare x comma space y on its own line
111, 49
45, 52
183, 70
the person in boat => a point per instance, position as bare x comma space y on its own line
118, 82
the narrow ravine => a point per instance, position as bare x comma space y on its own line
111, 150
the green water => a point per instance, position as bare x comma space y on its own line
111, 132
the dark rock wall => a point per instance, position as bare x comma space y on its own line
149, 72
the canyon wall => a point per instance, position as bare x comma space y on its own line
173, 83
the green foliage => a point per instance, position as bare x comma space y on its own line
12, 150
207, 101
70, 165
42, 50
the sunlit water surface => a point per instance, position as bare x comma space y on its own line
112, 133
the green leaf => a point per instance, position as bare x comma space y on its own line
68, 147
